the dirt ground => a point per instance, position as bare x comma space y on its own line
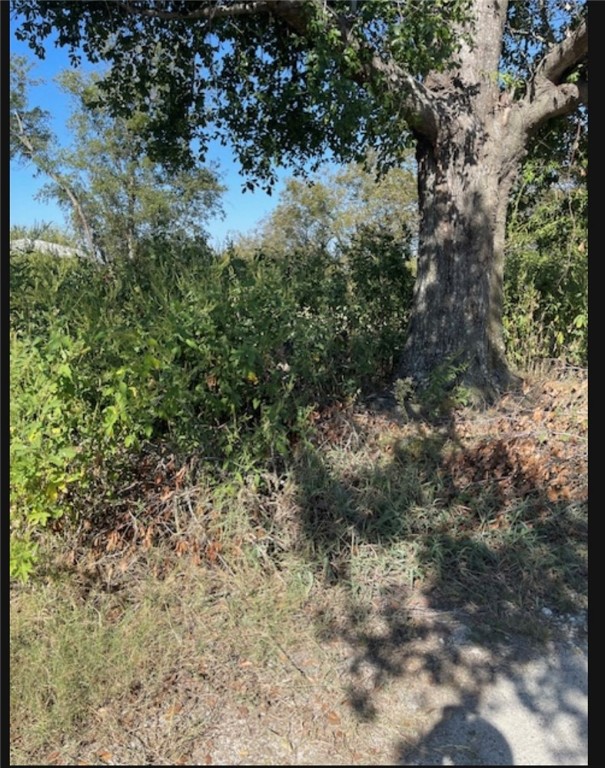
431, 693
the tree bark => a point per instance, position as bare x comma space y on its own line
465, 175
457, 311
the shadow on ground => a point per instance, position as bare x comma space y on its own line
494, 550
461, 737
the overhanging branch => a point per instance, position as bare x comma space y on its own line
418, 105
550, 94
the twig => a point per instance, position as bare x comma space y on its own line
290, 659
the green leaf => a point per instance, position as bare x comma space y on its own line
65, 371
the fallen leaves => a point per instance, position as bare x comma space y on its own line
533, 446
333, 717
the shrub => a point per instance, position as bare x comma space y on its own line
213, 355
546, 269
48, 420
546, 306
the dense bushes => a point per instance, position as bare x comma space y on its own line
546, 310
223, 355
546, 269
216, 355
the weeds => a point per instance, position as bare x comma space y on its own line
218, 357
207, 509
233, 600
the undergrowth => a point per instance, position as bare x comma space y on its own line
214, 356
197, 491
223, 587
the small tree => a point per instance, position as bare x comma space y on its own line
116, 196
327, 210
31, 140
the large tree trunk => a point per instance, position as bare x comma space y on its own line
465, 172
468, 156
456, 318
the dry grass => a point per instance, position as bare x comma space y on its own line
248, 623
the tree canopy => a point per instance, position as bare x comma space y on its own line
287, 81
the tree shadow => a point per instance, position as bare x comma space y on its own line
472, 631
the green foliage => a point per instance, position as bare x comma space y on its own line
327, 210
117, 198
546, 273
48, 424
279, 95
214, 355
357, 274
438, 396
25, 120
128, 198
382, 282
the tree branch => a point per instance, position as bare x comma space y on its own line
563, 56
209, 11
549, 94
419, 106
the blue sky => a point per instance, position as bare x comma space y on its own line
242, 210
